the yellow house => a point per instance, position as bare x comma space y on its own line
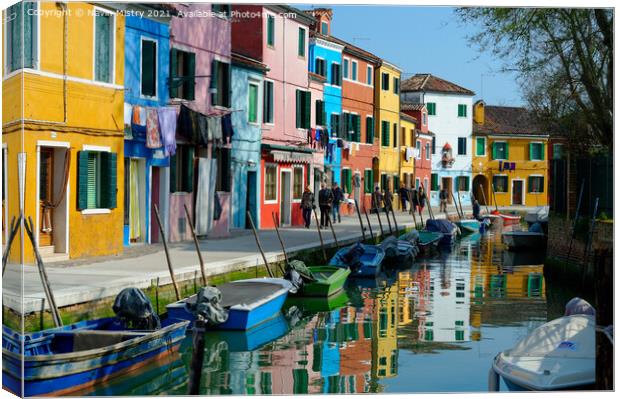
509, 154
62, 127
387, 123
385, 339
407, 149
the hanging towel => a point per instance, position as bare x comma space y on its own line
152, 129
227, 129
134, 200
135, 115
215, 127
203, 130
167, 125
138, 121
205, 193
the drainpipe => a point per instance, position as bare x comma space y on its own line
65, 54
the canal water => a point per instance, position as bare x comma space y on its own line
433, 326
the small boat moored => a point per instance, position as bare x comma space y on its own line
448, 230
319, 281
363, 260
428, 240
468, 226
398, 252
524, 239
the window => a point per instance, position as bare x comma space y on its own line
345, 71
346, 180
148, 75
324, 28
298, 183
368, 181
433, 145
336, 75
396, 87
535, 184
384, 181
268, 101
96, 180
481, 146
424, 119
417, 182
182, 170
222, 10
462, 183
302, 114
104, 46
418, 149
182, 72
431, 108
301, 43
385, 133
500, 150
558, 151
223, 177
320, 119
395, 135
319, 67
352, 126
335, 125
537, 152
434, 182
24, 24
369, 75
253, 103
370, 130
385, 81
462, 110
426, 183
220, 83
271, 29
271, 182
462, 146
427, 150
500, 183
403, 137
354, 70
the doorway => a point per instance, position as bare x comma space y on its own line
158, 192
251, 204
446, 182
135, 197
481, 189
517, 192
285, 197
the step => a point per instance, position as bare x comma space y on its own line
47, 250
54, 257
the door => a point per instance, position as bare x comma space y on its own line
250, 199
155, 193
446, 182
357, 189
517, 192
285, 198
46, 188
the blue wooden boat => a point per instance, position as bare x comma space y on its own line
398, 252
249, 303
62, 360
363, 260
468, 226
249, 340
448, 229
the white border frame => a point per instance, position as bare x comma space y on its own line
527, 189
491, 183
293, 199
273, 98
96, 211
256, 83
265, 200
142, 40
542, 152
512, 183
290, 172
113, 41
485, 146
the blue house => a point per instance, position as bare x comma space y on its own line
247, 117
325, 59
147, 174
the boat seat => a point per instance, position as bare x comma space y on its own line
91, 339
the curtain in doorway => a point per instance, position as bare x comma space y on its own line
134, 200
205, 193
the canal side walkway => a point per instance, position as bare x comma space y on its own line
83, 281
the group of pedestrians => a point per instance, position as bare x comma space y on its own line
329, 202
384, 200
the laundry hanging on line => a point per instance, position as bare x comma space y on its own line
153, 139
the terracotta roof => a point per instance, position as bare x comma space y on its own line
408, 117
247, 61
428, 132
404, 106
508, 121
430, 83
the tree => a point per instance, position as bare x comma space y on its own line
564, 58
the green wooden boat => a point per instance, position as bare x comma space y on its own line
428, 240
329, 281
320, 304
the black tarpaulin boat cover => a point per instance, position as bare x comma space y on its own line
441, 226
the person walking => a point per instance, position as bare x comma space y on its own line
338, 198
402, 193
326, 198
443, 200
388, 199
421, 200
377, 199
307, 205
476, 210
414, 199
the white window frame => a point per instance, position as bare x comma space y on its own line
541, 152
427, 150
500, 141
527, 189
271, 46
419, 149
96, 211
150, 39
293, 199
346, 63
112, 41
37, 60
252, 82
265, 200
369, 75
273, 101
485, 146
512, 184
355, 78
457, 110
305, 55
508, 181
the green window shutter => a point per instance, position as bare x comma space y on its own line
253, 103
494, 150
188, 185
434, 182
298, 108
300, 381
173, 84
82, 192
530, 183
191, 83
531, 151
357, 121
103, 43
507, 156
307, 109
542, 151
466, 183
323, 114
108, 180
92, 183
317, 112
479, 146
270, 30
396, 180
29, 34
346, 180
173, 171
301, 50
369, 130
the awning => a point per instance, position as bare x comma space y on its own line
291, 156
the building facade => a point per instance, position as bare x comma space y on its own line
422, 143
449, 108
509, 157
408, 149
64, 149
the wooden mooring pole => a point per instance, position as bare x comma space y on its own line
260, 248
9, 242
372, 236
276, 223
318, 228
193, 230
198, 350
168, 260
359, 216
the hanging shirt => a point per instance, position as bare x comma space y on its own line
168, 126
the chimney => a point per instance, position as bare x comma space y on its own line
479, 112
323, 18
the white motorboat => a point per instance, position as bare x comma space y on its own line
558, 355
539, 215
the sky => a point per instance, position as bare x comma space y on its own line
426, 40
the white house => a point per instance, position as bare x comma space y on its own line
450, 118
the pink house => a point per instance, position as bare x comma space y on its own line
200, 80
277, 36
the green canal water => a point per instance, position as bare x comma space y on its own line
433, 326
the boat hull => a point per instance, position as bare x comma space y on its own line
468, 226
325, 287
370, 261
520, 240
61, 374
